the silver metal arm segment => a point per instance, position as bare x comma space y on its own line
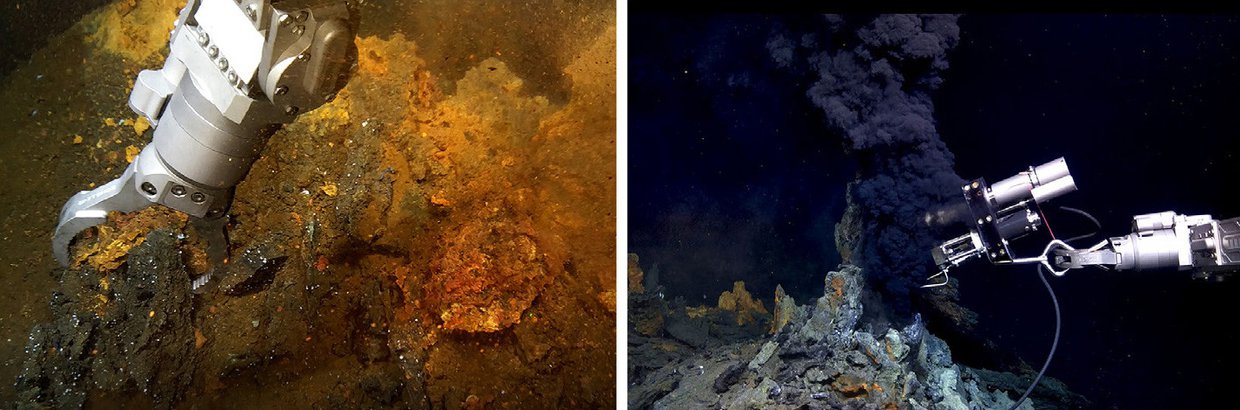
236, 71
1163, 240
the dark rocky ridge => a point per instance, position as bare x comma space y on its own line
822, 358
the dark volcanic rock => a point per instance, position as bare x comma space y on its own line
1050, 392
837, 311
253, 271
126, 330
644, 396
692, 332
823, 360
728, 377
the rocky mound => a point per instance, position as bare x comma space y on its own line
821, 357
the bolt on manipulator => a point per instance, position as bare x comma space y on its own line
236, 71
1012, 208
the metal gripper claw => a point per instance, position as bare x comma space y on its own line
933, 284
90, 208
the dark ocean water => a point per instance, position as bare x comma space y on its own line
734, 177
1144, 109
26, 24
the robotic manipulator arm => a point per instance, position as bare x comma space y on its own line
236, 71
1010, 209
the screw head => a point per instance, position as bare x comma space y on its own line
232, 78
213, 51
178, 190
222, 63
281, 90
197, 197
149, 188
285, 20
302, 16
299, 29
290, 110
203, 38
303, 56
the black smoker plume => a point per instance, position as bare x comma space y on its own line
874, 83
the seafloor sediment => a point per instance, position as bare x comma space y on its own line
441, 234
812, 356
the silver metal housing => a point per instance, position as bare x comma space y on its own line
1041, 183
1158, 241
236, 71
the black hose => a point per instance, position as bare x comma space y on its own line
1054, 344
1097, 226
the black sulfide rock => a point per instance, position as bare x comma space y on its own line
253, 271
729, 377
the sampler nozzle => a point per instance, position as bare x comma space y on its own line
1002, 212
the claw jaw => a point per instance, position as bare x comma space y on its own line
934, 284
148, 180
90, 208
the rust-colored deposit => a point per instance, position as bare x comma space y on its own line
739, 301
104, 248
